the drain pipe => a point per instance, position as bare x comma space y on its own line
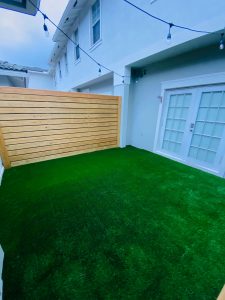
1, 267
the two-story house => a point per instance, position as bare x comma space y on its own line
173, 93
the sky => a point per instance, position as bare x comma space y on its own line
22, 38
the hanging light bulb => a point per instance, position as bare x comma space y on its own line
169, 36
45, 27
99, 70
221, 42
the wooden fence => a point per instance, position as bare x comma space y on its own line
41, 125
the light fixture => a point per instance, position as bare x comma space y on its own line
169, 36
45, 27
221, 46
99, 70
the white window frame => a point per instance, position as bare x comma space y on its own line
190, 82
66, 62
93, 24
60, 69
77, 46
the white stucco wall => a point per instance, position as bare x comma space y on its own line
4, 81
104, 87
128, 35
144, 101
40, 81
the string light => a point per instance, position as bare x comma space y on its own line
222, 42
99, 70
71, 40
45, 27
169, 36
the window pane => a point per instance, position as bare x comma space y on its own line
96, 32
216, 99
196, 139
202, 113
218, 130
205, 102
199, 126
208, 128
221, 116
77, 52
96, 12
212, 114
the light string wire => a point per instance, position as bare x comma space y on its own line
84, 51
170, 24
164, 21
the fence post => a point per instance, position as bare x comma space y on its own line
3, 152
1, 266
119, 120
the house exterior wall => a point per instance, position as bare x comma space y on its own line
104, 87
145, 102
128, 35
40, 81
4, 81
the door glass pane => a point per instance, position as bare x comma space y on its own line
177, 113
209, 127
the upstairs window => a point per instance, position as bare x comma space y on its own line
77, 47
95, 22
60, 70
66, 62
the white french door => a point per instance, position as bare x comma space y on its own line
193, 127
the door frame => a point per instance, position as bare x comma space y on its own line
187, 83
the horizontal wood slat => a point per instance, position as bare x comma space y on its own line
41, 133
61, 141
34, 160
57, 151
61, 146
40, 125
56, 127
58, 137
48, 104
20, 123
84, 115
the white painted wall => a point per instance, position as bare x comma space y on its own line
104, 87
4, 81
144, 103
41, 81
128, 35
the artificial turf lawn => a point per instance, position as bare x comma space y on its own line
115, 224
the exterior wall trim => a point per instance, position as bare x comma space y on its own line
207, 79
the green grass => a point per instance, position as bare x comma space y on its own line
115, 224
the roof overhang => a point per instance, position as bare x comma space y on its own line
71, 14
22, 6
13, 73
173, 51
